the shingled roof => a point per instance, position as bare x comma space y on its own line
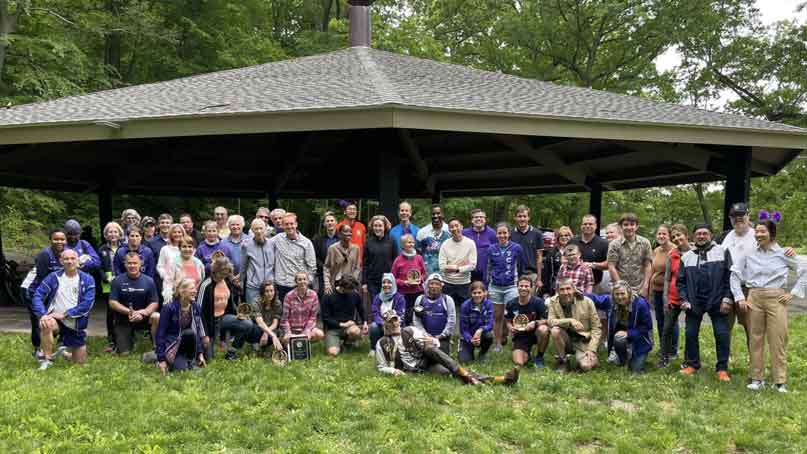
360, 77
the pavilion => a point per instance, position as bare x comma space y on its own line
365, 123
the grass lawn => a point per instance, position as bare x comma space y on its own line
344, 405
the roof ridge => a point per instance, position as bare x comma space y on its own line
378, 79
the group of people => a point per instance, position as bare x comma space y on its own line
420, 294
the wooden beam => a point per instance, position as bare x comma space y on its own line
545, 155
492, 173
413, 152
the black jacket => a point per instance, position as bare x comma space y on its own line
205, 301
378, 257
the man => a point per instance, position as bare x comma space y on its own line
134, 301
135, 244
212, 244
257, 260
341, 261
630, 325
88, 259
236, 239
593, 249
63, 302
435, 312
343, 315
164, 222
358, 230
483, 236
703, 288
321, 243
630, 256
536, 331
220, 216
575, 269
430, 238
574, 327
187, 223
413, 350
531, 241
294, 253
300, 309
264, 215
405, 226
457, 259
277, 216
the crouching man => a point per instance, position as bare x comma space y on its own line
413, 350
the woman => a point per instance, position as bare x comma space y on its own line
112, 234
553, 259
379, 253
658, 269
505, 263
180, 331
185, 266
672, 303
387, 299
765, 271
321, 244
169, 254
476, 323
128, 218
270, 311
218, 298
134, 244
409, 271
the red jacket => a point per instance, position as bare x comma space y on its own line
672, 289
401, 268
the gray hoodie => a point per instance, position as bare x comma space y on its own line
257, 263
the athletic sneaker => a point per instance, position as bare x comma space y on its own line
781, 388
58, 353
723, 376
498, 348
539, 362
756, 385
149, 357
688, 370
613, 358
44, 364
38, 355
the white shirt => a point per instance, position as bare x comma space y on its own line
67, 295
766, 269
739, 246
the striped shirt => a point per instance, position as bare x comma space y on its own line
292, 257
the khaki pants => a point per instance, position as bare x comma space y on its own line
738, 315
767, 317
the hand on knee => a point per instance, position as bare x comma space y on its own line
333, 351
556, 332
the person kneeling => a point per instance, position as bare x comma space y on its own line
435, 312
300, 310
527, 320
413, 350
630, 325
133, 299
476, 324
575, 326
339, 312
180, 331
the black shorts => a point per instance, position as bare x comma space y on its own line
125, 334
524, 342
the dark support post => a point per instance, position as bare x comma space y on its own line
104, 208
437, 196
273, 203
738, 181
595, 199
389, 187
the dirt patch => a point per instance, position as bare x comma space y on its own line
622, 405
589, 448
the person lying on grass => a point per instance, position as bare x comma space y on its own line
62, 303
179, 334
413, 350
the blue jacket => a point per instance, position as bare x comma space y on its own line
45, 263
397, 232
205, 251
473, 317
504, 265
703, 279
640, 322
398, 305
86, 298
82, 247
147, 267
169, 328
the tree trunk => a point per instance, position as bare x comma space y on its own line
326, 15
112, 41
702, 202
8, 25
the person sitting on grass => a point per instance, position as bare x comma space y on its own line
268, 315
343, 315
219, 297
476, 324
435, 312
386, 300
62, 303
179, 344
133, 298
536, 331
575, 327
413, 350
630, 325
300, 310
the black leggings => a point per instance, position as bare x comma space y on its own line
186, 353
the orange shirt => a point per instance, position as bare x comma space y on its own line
221, 295
359, 232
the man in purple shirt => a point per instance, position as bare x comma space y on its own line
483, 236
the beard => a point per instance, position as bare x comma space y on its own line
565, 299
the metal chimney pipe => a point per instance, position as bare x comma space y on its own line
359, 17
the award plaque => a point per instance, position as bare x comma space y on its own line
413, 277
520, 322
299, 348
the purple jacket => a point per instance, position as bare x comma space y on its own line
204, 252
483, 240
147, 267
504, 265
473, 317
398, 305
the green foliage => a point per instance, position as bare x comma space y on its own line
344, 404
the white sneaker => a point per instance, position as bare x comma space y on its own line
38, 355
613, 358
44, 364
781, 388
498, 348
371, 354
58, 353
149, 357
756, 385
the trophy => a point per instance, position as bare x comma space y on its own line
413, 277
244, 311
280, 357
299, 348
520, 322
216, 255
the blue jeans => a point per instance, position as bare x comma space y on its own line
720, 327
635, 362
251, 294
466, 354
658, 306
239, 329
